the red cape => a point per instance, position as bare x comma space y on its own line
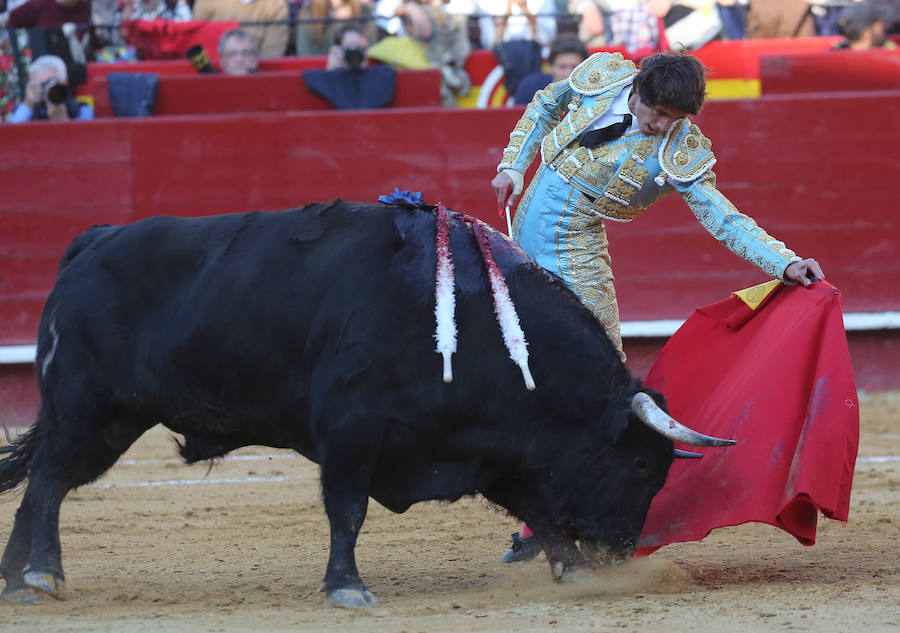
165, 39
778, 380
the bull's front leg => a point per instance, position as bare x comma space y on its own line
560, 549
346, 509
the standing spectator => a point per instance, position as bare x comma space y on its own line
591, 25
565, 54
780, 18
47, 94
320, 20
178, 11
526, 20
826, 14
14, 59
636, 25
50, 13
238, 54
863, 26
689, 24
444, 39
271, 39
734, 18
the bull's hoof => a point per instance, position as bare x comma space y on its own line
47, 583
22, 595
349, 598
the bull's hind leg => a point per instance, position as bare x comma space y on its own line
15, 557
32, 562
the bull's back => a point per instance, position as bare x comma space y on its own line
232, 309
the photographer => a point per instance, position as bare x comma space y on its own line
347, 81
47, 94
349, 52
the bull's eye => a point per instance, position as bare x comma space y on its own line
640, 463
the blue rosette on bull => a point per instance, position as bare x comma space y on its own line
314, 329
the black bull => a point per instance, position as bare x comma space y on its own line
313, 329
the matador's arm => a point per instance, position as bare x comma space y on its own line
686, 157
539, 119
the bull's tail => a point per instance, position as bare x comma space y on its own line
14, 467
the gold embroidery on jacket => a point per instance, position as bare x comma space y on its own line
686, 153
600, 71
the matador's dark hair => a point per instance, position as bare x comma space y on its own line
672, 80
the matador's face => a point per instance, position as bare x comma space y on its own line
653, 119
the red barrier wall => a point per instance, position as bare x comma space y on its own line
277, 91
830, 71
823, 186
96, 70
794, 163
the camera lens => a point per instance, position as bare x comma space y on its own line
54, 92
354, 58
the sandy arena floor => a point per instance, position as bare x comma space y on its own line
155, 546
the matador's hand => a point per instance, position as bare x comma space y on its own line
797, 271
503, 185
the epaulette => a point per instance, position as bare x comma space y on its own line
685, 154
600, 72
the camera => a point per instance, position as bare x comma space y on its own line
354, 56
199, 59
54, 92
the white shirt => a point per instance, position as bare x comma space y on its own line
617, 109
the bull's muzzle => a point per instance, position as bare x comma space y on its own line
650, 414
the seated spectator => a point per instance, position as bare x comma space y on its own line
271, 39
347, 83
177, 11
47, 94
320, 20
863, 26
565, 54
238, 54
350, 49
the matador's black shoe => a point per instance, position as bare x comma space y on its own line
522, 550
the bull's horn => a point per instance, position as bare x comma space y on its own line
650, 414
680, 454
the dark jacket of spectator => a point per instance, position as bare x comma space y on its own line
50, 13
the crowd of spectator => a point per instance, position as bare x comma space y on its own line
440, 32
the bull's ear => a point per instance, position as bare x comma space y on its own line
618, 421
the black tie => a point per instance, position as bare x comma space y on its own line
593, 138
